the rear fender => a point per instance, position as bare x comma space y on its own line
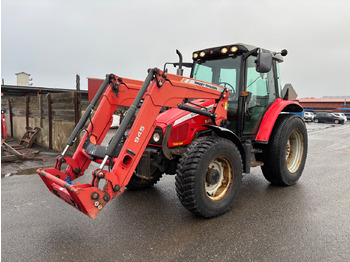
270, 117
228, 134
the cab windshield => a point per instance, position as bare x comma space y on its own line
224, 72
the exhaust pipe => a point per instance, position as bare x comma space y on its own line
179, 71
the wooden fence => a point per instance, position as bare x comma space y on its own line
56, 114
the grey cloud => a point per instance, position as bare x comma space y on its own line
54, 40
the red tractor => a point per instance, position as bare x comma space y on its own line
229, 116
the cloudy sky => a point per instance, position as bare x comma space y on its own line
54, 40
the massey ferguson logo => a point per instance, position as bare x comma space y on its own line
199, 83
139, 134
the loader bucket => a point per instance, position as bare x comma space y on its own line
83, 197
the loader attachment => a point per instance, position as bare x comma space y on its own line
123, 152
82, 196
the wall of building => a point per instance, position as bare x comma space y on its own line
327, 105
23, 79
323, 104
56, 114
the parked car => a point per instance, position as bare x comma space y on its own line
341, 115
328, 118
309, 116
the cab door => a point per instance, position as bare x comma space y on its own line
261, 88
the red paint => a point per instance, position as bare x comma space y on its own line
3, 126
185, 124
270, 117
169, 95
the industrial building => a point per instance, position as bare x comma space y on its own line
340, 105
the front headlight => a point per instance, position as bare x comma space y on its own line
157, 136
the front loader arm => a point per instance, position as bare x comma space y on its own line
157, 90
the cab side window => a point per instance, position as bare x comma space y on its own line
278, 80
261, 93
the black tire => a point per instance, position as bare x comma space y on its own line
316, 120
138, 182
209, 176
285, 156
336, 121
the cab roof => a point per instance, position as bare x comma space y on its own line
238, 48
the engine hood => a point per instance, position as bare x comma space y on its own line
184, 124
176, 116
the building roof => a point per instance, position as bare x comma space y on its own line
323, 100
10, 90
22, 73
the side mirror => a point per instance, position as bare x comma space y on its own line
263, 62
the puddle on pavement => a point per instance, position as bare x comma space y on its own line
29, 171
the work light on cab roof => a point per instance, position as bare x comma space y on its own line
214, 52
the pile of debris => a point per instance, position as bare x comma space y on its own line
11, 150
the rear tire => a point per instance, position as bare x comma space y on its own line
336, 121
209, 176
316, 120
285, 156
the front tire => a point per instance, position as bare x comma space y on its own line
209, 176
285, 156
138, 182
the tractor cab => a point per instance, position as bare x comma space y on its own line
252, 76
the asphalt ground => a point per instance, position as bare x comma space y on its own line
309, 221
